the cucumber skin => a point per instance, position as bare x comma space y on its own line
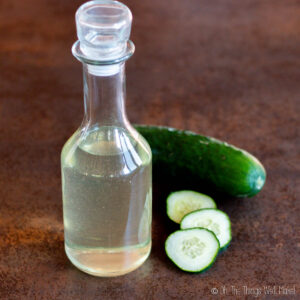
194, 272
227, 168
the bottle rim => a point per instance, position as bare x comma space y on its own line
77, 52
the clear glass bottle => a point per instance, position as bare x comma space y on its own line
106, 164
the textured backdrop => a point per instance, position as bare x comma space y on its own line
229, 69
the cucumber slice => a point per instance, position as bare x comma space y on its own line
212, 219
183, 202
192, 250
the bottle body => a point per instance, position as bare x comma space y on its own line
107, 199
106, 164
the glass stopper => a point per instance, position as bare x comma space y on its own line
103, 29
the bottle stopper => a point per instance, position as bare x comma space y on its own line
103, 29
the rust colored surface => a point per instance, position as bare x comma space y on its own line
229, 69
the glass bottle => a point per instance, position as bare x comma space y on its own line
106, 164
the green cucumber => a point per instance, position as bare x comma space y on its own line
212, 219
226, 168
183, 202
192, 250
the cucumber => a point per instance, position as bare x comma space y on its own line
183, 202
224, 167
212, 219
192, 250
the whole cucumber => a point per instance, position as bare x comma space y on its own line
225, 167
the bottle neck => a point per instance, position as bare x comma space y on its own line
104, 95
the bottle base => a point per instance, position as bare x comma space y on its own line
108, 262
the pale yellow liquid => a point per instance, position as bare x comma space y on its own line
107, 201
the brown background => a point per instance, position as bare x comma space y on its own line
229, 69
